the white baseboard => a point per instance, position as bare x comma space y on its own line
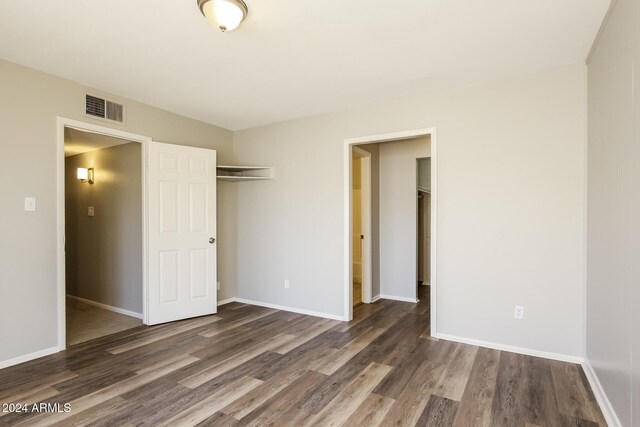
28, 357
376, 298
291, 309
511, 348
397, 298
108, 307
603, 401
226, 301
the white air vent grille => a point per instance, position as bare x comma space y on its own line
104, 109
115, 112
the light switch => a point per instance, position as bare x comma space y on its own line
91, 211
29, 204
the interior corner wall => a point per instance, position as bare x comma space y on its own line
28, 253
104, 252
374, 150
613, 211
424, 174
511, 189
398, 215
226, 236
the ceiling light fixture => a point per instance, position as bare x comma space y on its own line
225, 15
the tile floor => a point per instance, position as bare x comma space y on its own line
357, 293
86, 322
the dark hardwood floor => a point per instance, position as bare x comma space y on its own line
254, 366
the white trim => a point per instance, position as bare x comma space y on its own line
226, 301
107, 307
603, 401
393, 136
512, 348
348, 233
61, 124
60, 258
28, 357
291, 309
145, 233
348, 271
376, 298
585, 212
397, 298
433, 250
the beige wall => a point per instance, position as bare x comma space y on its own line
398, 215
28, 266
613, 232
104, 252
511, 189
424, 173
523, 244
374, 150
356, 181
424, 219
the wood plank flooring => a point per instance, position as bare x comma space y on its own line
253, 366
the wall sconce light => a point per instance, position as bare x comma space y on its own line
85, 174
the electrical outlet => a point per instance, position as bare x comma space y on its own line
91, 211
518, 312
286, 283
218, 285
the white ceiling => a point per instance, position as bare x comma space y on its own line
293, 58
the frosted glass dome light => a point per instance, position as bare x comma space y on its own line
225, 15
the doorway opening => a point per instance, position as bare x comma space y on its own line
81, 139
362, 228
424, 226
397, 253
177, 194
103, 235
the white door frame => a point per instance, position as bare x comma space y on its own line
367, 247
348, 222
62, 123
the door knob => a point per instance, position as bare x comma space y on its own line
212, 240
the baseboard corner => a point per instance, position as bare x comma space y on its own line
398, 298
603, 401
226, 301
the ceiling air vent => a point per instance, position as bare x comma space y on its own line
104, 109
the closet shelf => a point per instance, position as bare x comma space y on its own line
244, 173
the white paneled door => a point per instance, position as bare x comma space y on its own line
181, 184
